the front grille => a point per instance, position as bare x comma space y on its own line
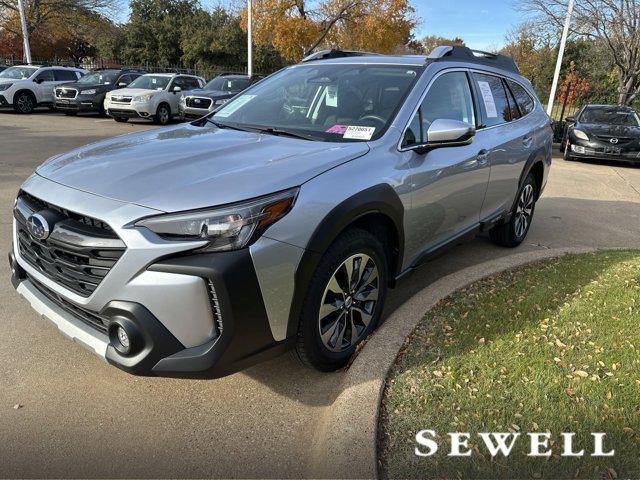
66, 92
607, 138
79, 252
86, 316
120, 99
198, 102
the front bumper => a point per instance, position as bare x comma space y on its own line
4, 102
597, 150
190, 113
80, 104
198, 315
128, 110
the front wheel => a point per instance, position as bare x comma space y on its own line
24, 102
163, 115
344, 301
512, 233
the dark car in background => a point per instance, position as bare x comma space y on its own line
603, 132
87, 94
198, 103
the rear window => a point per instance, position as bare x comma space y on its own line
493, 99
524, 100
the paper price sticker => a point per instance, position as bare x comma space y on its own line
355, 132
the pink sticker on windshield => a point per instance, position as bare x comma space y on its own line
339, 129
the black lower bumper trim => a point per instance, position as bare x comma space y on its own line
245, 338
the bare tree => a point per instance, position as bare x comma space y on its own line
616, 23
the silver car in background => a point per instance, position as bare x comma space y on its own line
281, 220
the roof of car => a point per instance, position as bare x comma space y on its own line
417, 60
610, 107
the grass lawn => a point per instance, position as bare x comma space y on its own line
551, 347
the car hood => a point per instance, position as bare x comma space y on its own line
610, 130
134, 91
187, 167
86, 86
213, 94
11, 80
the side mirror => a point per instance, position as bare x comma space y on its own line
571, 119
177, 89
446, 133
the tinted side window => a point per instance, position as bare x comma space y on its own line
493, 99
65, 75
524, 100
413, 136
45, 76
513, 106
124, 79
191, 83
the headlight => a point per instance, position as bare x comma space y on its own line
5, 86
143, 98
580, 134
91, 91
221, 102
225, 228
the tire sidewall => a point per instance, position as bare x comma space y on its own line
326, 268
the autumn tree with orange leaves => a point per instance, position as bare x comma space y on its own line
298, 27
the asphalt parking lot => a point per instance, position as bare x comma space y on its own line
80, 417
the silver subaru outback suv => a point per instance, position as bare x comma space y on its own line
280, 220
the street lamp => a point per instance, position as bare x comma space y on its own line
25, 33
563, 42
249, 42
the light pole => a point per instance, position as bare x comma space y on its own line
25, 33
563, 42
249, 41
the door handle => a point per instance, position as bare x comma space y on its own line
483, 156
527, 141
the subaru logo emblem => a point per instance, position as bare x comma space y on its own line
38, 226
613, 141
197, 100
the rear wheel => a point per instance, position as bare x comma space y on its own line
24, 102
512, 233
344, 301
163, 114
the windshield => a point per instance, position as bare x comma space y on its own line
18, 73
332, 102
151, 82
610, 116
105, 78
226, 84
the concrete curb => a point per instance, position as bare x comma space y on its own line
345, 442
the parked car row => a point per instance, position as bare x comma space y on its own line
119, 93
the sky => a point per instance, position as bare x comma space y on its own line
482, 24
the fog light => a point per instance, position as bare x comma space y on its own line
123, 338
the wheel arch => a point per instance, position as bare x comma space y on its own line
28, 92
536, 165
377, 210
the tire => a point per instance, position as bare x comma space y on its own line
163, 114
565, 153
344, 317
24, 102
70, 114
121, 119
512, 233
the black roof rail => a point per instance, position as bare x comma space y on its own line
325, 54
465, 54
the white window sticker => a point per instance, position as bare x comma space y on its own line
359, 133
332, 96
235, 105
489, 102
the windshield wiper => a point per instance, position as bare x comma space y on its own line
226, 125
285, 133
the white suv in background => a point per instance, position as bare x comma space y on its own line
25, 87
155, 96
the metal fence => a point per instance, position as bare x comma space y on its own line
205, 72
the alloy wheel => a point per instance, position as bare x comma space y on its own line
25, 103
163, 115
348, 302
524, 210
